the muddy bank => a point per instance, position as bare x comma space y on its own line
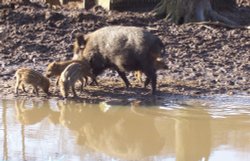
202, 60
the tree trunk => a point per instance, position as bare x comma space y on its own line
184, 11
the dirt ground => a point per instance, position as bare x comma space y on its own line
202, 60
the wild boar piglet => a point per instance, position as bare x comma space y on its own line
71, 74
56, 68
26, 76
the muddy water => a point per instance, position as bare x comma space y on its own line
211, 129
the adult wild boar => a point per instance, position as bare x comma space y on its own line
123, 48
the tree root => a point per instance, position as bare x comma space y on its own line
183, 11
160, 9
219, 24
217, 17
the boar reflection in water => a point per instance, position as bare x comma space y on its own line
117, 132
193, 134
122, 48
31, 115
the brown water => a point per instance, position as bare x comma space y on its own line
214, 129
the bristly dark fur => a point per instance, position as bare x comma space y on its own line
124, 49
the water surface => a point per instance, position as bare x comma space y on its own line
214, 129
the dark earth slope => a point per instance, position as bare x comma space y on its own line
202, 59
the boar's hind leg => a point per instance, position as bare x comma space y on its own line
94, 82
57, 80
86, 81
93, 77
124, 78
151, 77
83, 84
35, 90
73, 89
147, 81
23, 88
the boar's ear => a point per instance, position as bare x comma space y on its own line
53, 63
